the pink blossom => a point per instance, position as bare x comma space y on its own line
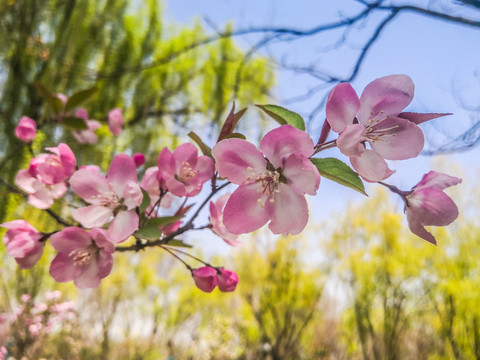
376, 118
3, 353
84, 257
115, 196
139, 159
26, 129
151, 184
88, 135
227, 280
53, 295
34, 329
205, 278
44, 180
115, 121
183, 172
427, 204
23, 243
25, 297
273, 183
216, 220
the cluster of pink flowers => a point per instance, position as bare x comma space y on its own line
32, 319
273, 181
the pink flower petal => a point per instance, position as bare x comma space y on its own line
371, 166
92, 216
437, 180
418, 229
432, 206
166, 165
388, 95
234, 157
123, 225
89, 277
122, 169
27, 262
69, 239
185, 153
280, 143
132, 194
100, 236
349, 140
242, 213
398, 139
90, 185
419, 118
302, 176
63, 269
342, 106
25, 181
287, 202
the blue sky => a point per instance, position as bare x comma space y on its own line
442, 59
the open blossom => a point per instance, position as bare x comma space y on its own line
216, 220
22, 242
115, 196
376, 118
84, 257
427, 204
88, 135
44, 180
273, 183
183, 172
26, 129
115, 121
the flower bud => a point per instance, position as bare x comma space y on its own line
139, 159
26, 129
205, 278
227, 280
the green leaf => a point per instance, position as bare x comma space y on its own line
74, 123
162, 221
151, 231
79, 98
283, 116
178, 243
145, 202
339, 172
52, 100
148, 232
205, 148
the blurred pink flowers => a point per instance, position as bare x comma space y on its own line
22, 242
273, 182
88, 135
115, 121
115, 196
428, 205
376, 118
26, 129
84, 257
44, 180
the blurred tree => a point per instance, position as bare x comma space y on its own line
72, 45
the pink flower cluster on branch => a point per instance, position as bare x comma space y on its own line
272, 183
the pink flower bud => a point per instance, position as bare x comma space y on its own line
205, 278
115, 121
26, 129
25, 297
227, 280
139, 159
22, 241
